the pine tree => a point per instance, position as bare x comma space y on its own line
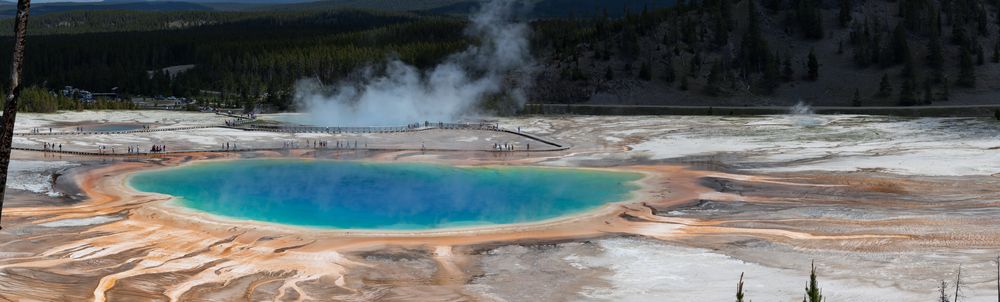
945, 89
720, 33
739, 289
813, 65
928, 92
772, 77
966, 72
645, 73
695, 64
684, 82
812, 288
856, 102
944, 292
753, 48
609, 74
980, 57
669, 74
906, 94
900, 47
935, 53
844, 16
884, 86
996, 52
712, 86
958, 36
909, 71
787, 73
726, 14
810, 18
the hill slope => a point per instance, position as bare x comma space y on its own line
729, 53
9, 10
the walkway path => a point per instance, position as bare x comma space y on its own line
244, 125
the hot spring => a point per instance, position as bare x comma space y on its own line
384, 196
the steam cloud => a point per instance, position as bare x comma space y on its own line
454, 89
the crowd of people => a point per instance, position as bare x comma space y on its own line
82, 129
51, 147
133, 149
104, 149
508, 147
318, 144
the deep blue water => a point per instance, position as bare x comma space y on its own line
405, 196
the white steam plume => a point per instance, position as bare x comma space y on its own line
502, 63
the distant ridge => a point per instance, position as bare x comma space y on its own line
540, 8
8, 10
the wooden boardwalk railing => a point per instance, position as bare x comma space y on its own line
244, 124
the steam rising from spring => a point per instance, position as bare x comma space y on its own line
802, 115
454, 89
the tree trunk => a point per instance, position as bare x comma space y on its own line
958, 282
10, 107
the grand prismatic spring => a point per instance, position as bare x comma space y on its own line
602, 209
353, 195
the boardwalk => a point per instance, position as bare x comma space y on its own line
241, 135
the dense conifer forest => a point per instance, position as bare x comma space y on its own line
743, 52
759, 52
253, 57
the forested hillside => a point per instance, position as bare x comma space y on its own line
149, 6
541, 8
250, 57
714, 52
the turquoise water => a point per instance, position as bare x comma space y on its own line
400, 196
114, 127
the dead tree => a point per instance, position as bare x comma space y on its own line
10, 107
739, 289
958, 282
944, 294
